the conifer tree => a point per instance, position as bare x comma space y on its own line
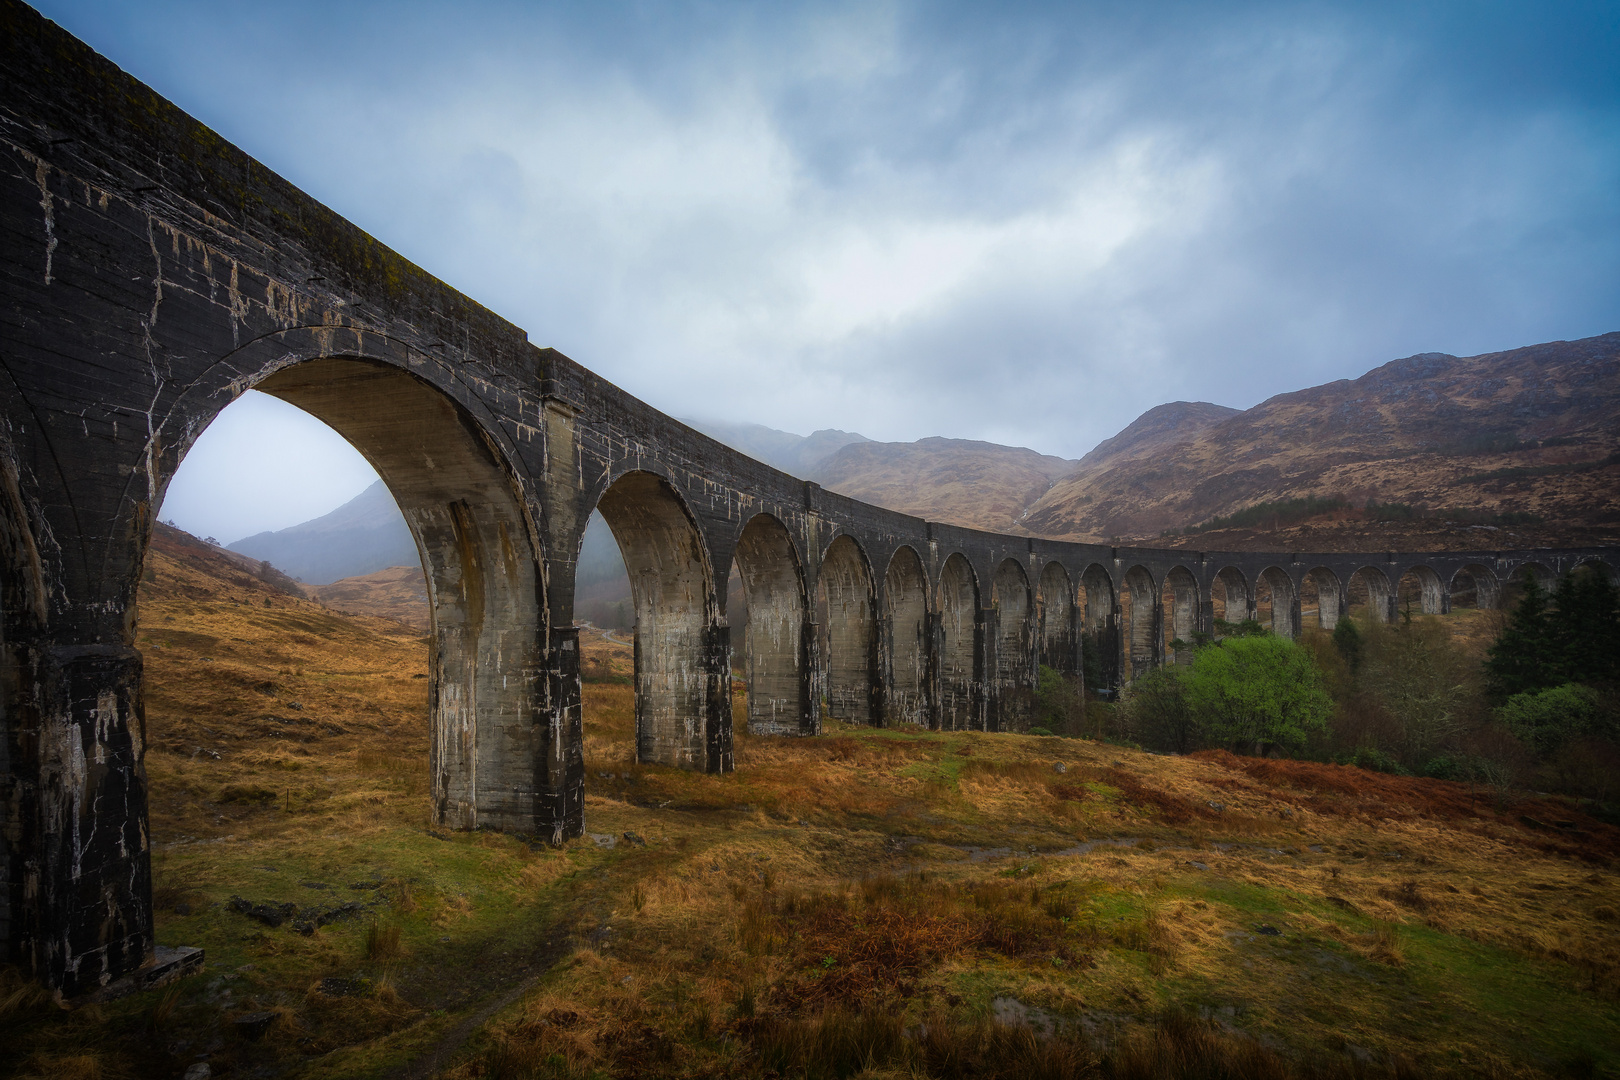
1522, 656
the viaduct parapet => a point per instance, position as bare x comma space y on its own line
152, 273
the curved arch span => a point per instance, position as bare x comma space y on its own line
960, 679
848, 641
466, 511
777, 643
1475, 586
1180, 615
1326, 593
682, 648
1015, 660
1140, 615
1055, 620
1277, 602
905, 636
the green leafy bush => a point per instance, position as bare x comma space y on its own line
1259, 693
1546, 719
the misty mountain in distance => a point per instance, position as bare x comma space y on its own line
795, 455
364, 535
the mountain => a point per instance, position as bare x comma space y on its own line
794, 454
1525, 437
364, 535
978, 484
1159, 427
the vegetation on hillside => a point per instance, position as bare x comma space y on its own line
1540, 706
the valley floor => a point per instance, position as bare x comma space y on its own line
872, 902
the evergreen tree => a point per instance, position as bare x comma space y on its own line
1587, 627
1347, 640
1524, 657
1572, 636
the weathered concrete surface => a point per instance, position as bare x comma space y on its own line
151, 273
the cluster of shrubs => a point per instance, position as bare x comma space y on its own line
1540, 709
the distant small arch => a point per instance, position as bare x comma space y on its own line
1230, 595
1139, 616
1275, 601
958, 607
1321, 598
905, 640
1013, 605
1475, 586
1054, 605
1422, 588
1099, 629
1369, 594
1180, 617
847, 603
776, 653
1599, 565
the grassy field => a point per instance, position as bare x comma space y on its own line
872, 903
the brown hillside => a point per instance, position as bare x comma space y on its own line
1531, 430
1160, 427
978, 484
399, 592
1030, 900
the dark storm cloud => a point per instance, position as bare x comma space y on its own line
1026, 224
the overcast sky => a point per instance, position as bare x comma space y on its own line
1025, 223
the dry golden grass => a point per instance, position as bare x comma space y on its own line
950, 902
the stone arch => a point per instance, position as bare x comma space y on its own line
775, 645
1230, 596
1368, 591
1420, 585
1179, 597
1276, 602
1054, 606
1474, 586
1099, 629
1601, 566
905, 636
1321, 593
850, 645
1140, 619
1015, 661
957, 604
476, 536
683, 695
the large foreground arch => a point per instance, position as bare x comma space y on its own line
153, 272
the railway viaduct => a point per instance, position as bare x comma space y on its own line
152, 273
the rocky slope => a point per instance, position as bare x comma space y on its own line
1464, 441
